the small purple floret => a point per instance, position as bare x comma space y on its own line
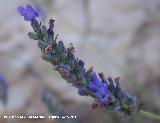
29, 13
96, 88
101, 89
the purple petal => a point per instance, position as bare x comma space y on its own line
29, 8
36, 14
104, 101
21, 11
98, 95
96, 80
93, 86
29, 13
94, 77
102, 91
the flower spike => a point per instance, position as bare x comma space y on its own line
106, 92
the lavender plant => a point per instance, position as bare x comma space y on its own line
106, 92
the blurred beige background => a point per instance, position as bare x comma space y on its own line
119, 38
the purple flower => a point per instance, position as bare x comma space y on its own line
100, 88
95, 88
29, 13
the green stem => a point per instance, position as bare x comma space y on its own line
150, 115
145, 113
